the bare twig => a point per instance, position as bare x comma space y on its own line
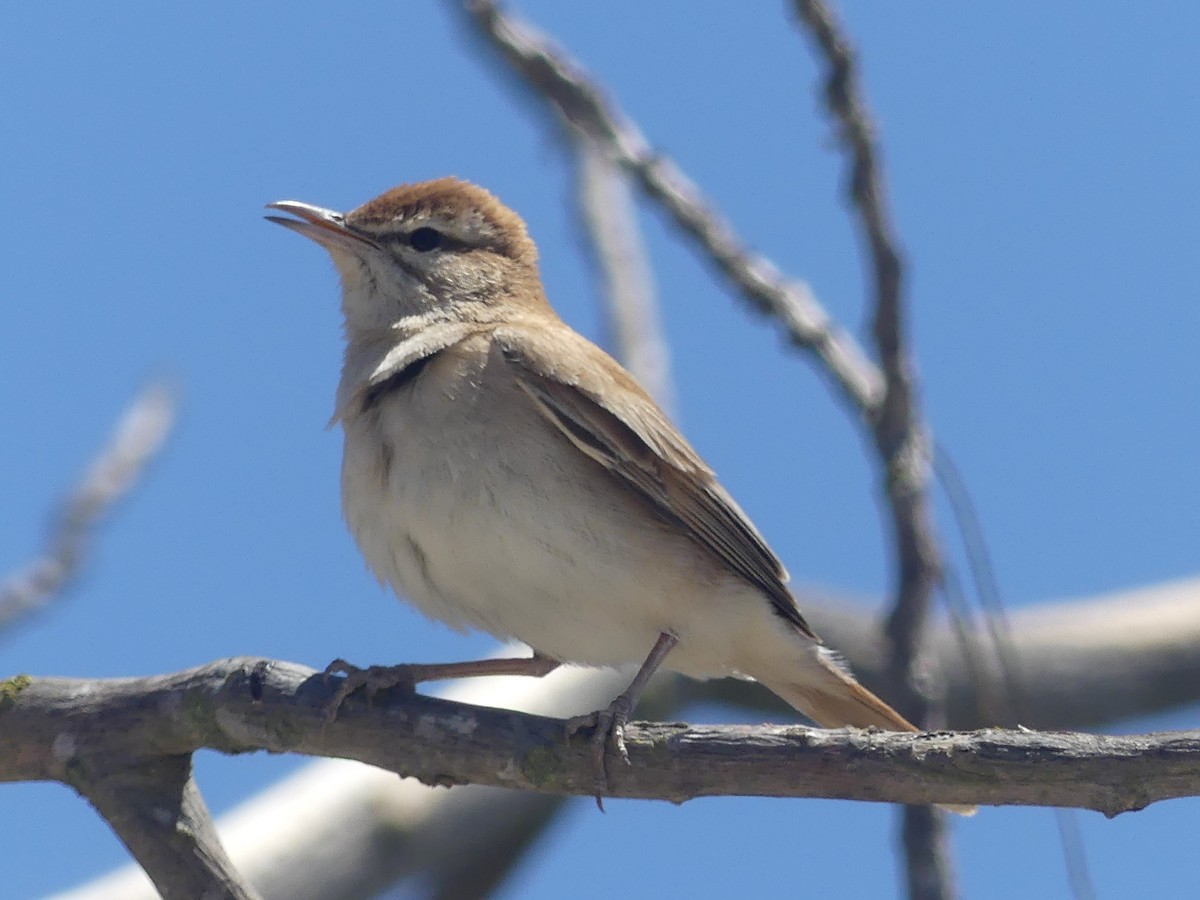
136, 439
552, 75
1079, 877
899, 436
984, 577
611, 221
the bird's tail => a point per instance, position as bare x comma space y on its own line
837, 700
840, 703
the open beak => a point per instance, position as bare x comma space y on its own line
326, 227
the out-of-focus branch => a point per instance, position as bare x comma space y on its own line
136, 439
552, 75
900, 439
610, 219
1081, 663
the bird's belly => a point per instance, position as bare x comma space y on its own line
512, 531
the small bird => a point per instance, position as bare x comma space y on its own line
503, 473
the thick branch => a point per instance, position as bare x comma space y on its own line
52, 726
156, 810
341, 829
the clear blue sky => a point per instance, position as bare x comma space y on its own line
1042, 162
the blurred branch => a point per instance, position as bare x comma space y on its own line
608, 214
136, 439
1082, 663
551, 75
900, 439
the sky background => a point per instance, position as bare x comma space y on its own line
1042, 168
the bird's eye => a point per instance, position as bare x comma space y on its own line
425, 239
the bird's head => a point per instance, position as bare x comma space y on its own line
435, 247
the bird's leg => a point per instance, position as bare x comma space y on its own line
379, 678
611, 720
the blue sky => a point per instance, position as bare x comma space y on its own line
1042, 170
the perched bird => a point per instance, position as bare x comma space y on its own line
503, 473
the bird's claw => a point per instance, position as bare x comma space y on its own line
604, 724
372, 680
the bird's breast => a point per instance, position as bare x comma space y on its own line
477, 510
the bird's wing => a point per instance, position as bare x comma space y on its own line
604, 413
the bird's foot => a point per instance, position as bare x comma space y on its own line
372, 680
605, 724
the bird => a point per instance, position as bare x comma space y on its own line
503, 473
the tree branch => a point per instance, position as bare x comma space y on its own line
889, 406
246, 704
154, 806
341, 830
899, 435
551, 75
1079, 663
900, 439
336, 828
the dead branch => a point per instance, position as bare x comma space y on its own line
547, 71
61, 728
348, 832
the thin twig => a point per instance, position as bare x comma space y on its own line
898, 433
553, 76
1013, 696
1079, 876
900, 436
136, 439
984, 576
927, 855
609, 216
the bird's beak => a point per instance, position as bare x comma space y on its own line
326, 227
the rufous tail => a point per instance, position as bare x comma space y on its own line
839, 700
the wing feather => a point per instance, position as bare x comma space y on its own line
600, 409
